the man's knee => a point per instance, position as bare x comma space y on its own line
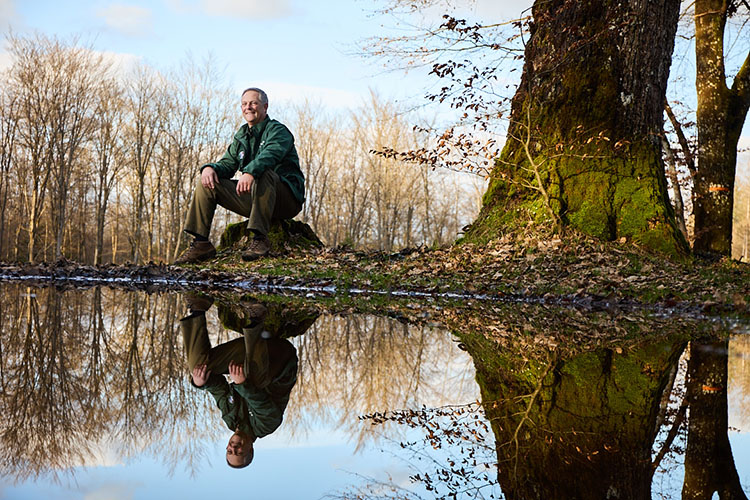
202, 192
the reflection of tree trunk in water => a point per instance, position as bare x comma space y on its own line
709, 465
582, 427
95, 365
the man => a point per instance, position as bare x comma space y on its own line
263, 369
271, 185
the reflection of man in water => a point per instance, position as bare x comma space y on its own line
263, 370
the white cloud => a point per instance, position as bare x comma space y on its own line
248, 9
7, 13
127, 19
483, 11
251, 9
494, 10
114, 491
122, 64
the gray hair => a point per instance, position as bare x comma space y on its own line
263, 95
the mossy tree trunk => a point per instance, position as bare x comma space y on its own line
583, 147
720, 117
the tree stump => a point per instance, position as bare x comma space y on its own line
284, 235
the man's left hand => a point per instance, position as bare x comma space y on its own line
200, 375
245, 183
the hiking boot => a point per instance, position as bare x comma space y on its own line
198, 303
258, 247
199, 250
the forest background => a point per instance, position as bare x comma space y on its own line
100, 149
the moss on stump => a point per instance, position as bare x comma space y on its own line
284, 235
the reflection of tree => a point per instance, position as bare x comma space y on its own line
739, 374
576, 415
46, 401
89, 372
575, 427
350, 364
709, 465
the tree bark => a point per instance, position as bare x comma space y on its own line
720, 116
583, 149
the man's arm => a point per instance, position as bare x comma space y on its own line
276, 143
267, 410
202, 378
228, 164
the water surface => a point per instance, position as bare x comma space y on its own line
98, 404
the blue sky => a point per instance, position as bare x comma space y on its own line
291, 48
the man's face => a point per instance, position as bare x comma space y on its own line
253, 110
238, 448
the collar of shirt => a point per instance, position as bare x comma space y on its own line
257, 129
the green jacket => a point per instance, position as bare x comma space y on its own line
269, 144
257, 412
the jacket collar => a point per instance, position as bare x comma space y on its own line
254, 131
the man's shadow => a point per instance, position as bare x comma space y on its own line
262, 366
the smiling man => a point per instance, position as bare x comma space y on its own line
270, 187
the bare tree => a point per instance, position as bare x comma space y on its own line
192, 136
107, 147
145, 105
8, 152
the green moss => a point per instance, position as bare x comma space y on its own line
600, 192
591, 219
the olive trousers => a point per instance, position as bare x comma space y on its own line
269, 199
262, 359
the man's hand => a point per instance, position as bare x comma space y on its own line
209, 179
245, 183
200, 375
236, 373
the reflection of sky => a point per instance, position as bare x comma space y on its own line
738, 401
741, 452
320, 463
276, 473
322, 458
739, 381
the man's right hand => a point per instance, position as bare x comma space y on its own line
209, 179
236, 372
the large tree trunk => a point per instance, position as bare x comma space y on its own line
720, 116
583, 147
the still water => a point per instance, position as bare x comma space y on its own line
98, 403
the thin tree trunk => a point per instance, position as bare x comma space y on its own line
720, 116
679, 206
